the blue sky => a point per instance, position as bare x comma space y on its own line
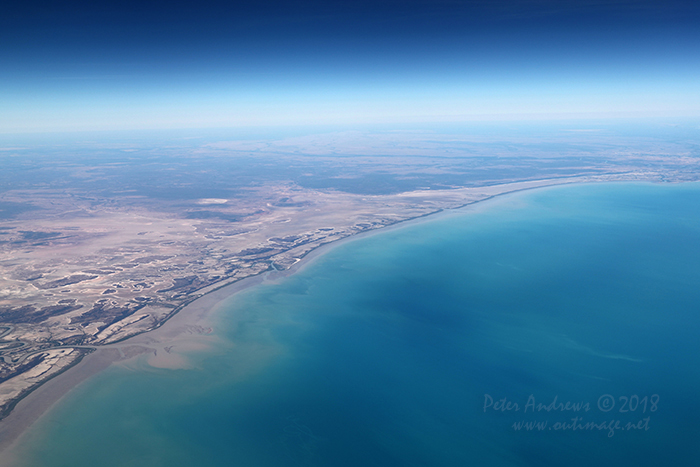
74, 66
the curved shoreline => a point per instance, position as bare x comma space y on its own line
193, 314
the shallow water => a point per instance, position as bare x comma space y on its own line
386, 350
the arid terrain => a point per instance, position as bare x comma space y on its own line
99, 246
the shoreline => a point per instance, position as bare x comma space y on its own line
189, 323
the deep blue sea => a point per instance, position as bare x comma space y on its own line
578, 305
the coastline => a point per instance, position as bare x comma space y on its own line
188, 328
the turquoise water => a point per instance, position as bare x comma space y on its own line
384, 350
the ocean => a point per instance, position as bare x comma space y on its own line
552, 327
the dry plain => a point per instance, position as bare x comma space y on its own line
88, 258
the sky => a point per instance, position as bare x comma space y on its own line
86, 65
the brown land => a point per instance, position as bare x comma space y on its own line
100, 248
188, 268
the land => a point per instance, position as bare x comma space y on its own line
103, 243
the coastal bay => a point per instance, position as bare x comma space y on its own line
384, 348
191, 317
